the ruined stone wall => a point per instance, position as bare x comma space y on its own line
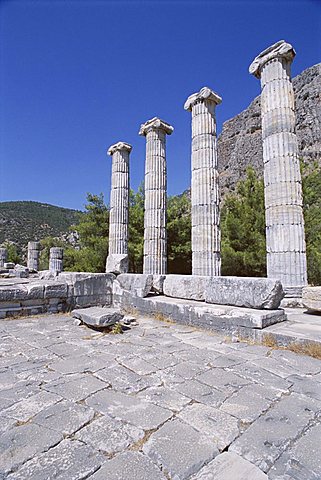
240, 143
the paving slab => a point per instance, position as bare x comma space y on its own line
70, 460
76, 386
229, 466
129, 465
179, 449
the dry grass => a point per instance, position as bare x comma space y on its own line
269, 341
308, 348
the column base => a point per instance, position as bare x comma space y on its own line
117, 263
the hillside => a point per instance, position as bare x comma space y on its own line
240, 143
21, 222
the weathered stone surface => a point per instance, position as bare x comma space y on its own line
70, 460
264, 441
302, 461
129, 465
206, 257
117, 260
155, 239
311, 298
33, 256
20, 271
28, 408
56, 259
56, 290
117, 263
221, 427
251, 292
109, 435
3, 256
285, 239
191, 287
9, 265
138, 284
165, 397
77, 387
98, 316
65, 417
122, 379
179, 449
229, 466
20, 437
158, 283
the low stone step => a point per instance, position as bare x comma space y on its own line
99, 317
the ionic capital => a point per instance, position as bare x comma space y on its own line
205, 94
155, 124
280, 49
118, 147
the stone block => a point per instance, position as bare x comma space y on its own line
98, 317
9, 265
158, 283
190, 287
138, 284
311, 298
117, 264
13, 292
56, 290
250, 292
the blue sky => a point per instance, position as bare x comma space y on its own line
77, 76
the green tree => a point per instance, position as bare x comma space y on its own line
179, 234
93, 229
14, 255
311, 180
136, 230
243, 229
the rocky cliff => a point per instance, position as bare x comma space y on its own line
240, 143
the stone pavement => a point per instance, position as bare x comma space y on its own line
160, 402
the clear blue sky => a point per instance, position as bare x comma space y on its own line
78, 76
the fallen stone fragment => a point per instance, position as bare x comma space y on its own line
129, 465
98, 316
180, 449
117, 263
262, 293
311, 298
138, 284
229, 466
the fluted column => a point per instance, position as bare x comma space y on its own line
33, 255
117, 260
155, 238
206, 236
3, 256
285, 239
56, 259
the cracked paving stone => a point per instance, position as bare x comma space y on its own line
124, 380
268, 437
129, 466
22, 389
27, 408
76, 387
16, 446
78, 364
220, 426
229, 466
133, 410
110, 435
224, 380
7, 379
201, 393
65, 417
165, 397
302, 461
138, 365
259, 375
306, 386
250, 402
6, 423
188, 370
179, 449
68, 349
70, 460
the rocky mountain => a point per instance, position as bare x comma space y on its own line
240, 143
24, 221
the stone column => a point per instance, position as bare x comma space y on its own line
33, 255
56, 259
117, 260
3, 256
206, 236
155, 238
285, 239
